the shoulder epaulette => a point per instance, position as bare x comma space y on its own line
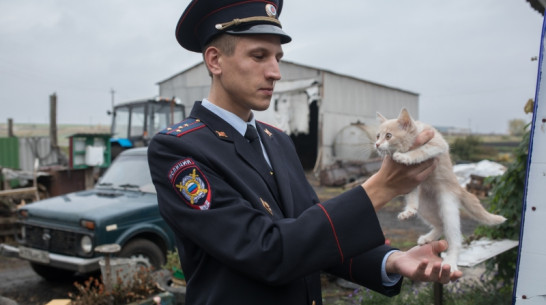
266, 124
184, 127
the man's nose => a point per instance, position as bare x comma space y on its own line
273, 70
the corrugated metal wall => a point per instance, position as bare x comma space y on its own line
20, 153
190, 86
36, 147
348, 100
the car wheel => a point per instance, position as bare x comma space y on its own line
145, 252
53, 274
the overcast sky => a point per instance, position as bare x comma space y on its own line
469, 60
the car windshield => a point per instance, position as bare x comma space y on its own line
128, 172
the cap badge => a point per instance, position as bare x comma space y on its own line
271, 10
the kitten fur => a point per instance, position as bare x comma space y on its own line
438, 199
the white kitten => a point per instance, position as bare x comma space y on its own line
438, 199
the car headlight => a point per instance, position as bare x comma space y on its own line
86, 243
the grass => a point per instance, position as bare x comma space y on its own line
464, 292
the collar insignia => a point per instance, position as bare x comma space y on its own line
221, 134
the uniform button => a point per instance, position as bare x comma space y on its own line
271, 173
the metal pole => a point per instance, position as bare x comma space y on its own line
108, 250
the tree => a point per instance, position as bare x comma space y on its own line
466, 148
516, 127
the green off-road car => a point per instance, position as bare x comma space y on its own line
59, 235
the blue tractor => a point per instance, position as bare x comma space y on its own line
134, 123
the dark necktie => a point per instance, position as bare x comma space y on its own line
251, 135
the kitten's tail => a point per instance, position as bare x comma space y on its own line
473, 205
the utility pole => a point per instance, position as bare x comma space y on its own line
112, 92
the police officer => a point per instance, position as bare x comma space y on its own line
249, 227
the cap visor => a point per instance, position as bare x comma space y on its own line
261, 29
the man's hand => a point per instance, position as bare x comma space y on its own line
423, 264
422, 138
395, 179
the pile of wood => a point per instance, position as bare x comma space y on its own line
11, 199
478, 187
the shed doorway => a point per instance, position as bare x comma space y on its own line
307, 144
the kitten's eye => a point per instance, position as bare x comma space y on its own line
378, 136
388, 136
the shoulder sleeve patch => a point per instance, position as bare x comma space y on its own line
184, 127
189, 182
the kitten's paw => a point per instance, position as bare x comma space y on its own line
452, 263
423, 239
401, 158
407, 214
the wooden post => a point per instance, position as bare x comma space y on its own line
438, 293
10, 128
53, 120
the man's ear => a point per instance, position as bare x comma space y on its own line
212, 57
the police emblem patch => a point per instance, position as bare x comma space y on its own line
190, 183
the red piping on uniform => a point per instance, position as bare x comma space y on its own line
333, 230
264, 123
185, 132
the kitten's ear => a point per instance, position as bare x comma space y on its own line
405, 120
381, 118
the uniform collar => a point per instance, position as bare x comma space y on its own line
232, 119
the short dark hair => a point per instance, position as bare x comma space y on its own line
225, 43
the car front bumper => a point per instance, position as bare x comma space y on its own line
77, 264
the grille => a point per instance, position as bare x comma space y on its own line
55, 241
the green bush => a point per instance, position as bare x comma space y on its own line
506, 199
173, 264
468, 148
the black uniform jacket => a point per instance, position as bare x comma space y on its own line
243, 241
